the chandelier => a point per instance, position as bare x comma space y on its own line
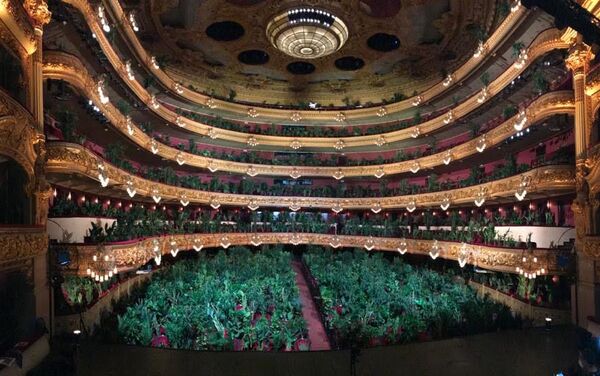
103, 266
307, 33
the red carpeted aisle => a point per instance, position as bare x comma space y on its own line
316, 330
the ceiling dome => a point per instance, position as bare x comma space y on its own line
307, 33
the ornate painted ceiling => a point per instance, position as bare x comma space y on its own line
393, 47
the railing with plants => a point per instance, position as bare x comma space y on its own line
62, 66
496, 39
141, 222
75, 160
115, 154
239, 301
368, 301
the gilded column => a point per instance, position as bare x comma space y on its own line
40, 16
578, 62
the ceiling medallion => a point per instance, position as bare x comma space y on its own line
307, 33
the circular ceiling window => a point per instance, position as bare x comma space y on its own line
349, 63
383, 42
225, 31
300, 67
253, 57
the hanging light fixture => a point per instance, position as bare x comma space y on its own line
515, 5
129, 71
522, 189
334, 241
339, 145
369, 244
214, 203
174, 248
463, 255
197, 244
448, 80
447, 158
520, 121
131, 191
256, 240
225, 243
252, 112
101, 89
294, 206
295, 174
337, 208
102, 18
179, 121
153, 146
338, 175
102, 175
417, 101
449, 117
154, 63
295, 116
129, 125
253, 205
415, 167
376, 207
295, 144
483, 94
435, 250
340, 117
184, 200
382, 111
212, 166
251, 171
380, 141
180, 158
402, 246
103, 266
154, 102
295, 239
521, 58
380, 172
211, 103
480, 50
155, 195
445, 202
480, 197
178, 88
252, 141
416, 132
157, 256
212, 134
530, 266
133, 22
481, 144
411, 206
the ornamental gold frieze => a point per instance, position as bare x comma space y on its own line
135, 253
500, 35
18, 135
15, 17
591, 247
68, 68
22, 244
65, 158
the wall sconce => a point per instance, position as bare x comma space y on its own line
435, 250
253, 205
338, 175
198, 245
214, 203
415, 167
155, 195
212, 166
184, 200
447, 157
337, 208
402, 246
339, 145
180, 158
379, 173
225, 243
369, 244
380, 141
411, 206
376, 207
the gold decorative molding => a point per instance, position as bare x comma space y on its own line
591, 247
38, 12
135, 253
16, 20
504, 30
72, 159
69, 68
18, 244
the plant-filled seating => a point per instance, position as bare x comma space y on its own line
239, 301
368, 300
